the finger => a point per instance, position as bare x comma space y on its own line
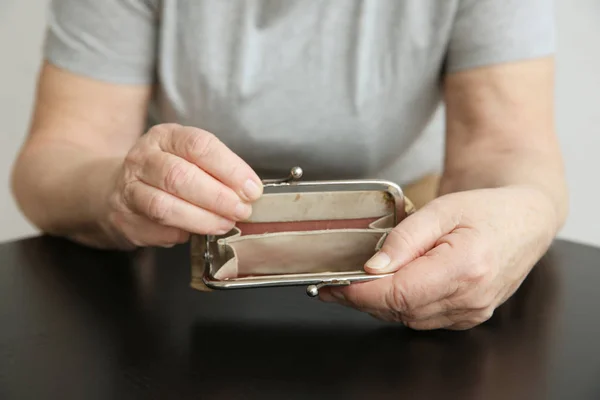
165, 209
476, 302
472, 319
429, 279
330, 295
210, 154
412, 238
433, 310
457, 321
142, 232
384, 316
440, 322
185, 180
326, 295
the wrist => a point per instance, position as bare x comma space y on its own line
100, 177
536, 199
538, 171
548, 192
84, 215
528, 202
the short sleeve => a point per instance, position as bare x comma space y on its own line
109, 40
487, 32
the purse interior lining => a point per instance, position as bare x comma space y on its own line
343, 250
320, 206
306, 233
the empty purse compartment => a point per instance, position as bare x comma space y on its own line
307, 252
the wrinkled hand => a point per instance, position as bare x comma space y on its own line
455, 260
175, 181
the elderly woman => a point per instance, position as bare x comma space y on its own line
241, 89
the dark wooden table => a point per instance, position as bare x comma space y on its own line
82, 324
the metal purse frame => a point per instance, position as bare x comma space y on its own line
313, 281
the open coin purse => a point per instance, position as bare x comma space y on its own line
311, 233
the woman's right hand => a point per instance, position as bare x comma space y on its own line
175, 181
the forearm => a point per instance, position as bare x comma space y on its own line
62, 189
501, 132
493, 165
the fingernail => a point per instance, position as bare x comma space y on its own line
252, 190
243, 211
379, 261
225, 227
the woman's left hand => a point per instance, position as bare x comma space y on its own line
455, 260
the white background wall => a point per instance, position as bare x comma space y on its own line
21, 28
578, 105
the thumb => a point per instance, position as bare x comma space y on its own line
411, 238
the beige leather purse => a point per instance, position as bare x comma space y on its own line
312, 233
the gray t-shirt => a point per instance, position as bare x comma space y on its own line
342, 88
